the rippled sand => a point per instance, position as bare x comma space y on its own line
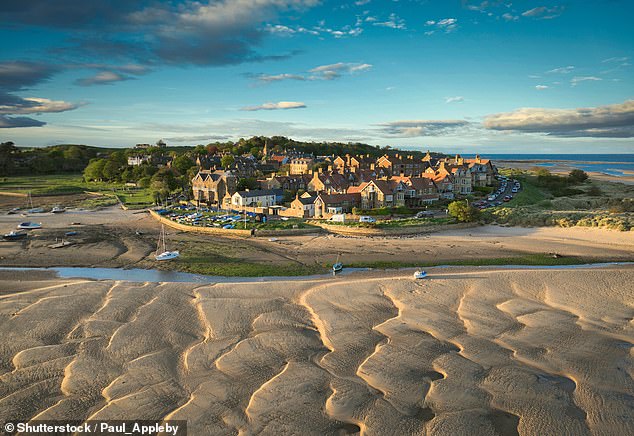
469, 351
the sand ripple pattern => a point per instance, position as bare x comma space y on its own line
484, 352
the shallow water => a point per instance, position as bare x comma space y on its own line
157, 276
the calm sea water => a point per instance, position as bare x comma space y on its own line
613, 164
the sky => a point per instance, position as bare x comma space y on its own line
514, 76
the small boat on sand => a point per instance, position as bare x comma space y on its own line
14, 235
420, 274
337, 266
165, 254
58, 209
13, 211
28, 225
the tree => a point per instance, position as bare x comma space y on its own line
247, 183
111, 170
577, 176
8, 151
94, 170
182, 163
227, 160
463, 212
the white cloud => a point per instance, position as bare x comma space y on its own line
543, 12
34, 105
276, 106
393, 22
578, 79
510, 17
322, 72
103, 78
416, 128
446, 25
456, 99
561, 70
541, 87
611, 121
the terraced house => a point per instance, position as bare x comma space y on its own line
380, 193
210, 187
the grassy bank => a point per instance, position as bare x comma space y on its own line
68, 184
538, 259
237, 268
234, 267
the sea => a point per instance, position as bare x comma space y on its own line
619, 165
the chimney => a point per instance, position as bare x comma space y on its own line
372, 166
329, 168
320, 170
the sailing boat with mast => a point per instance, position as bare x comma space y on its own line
161, 245
337, 266
31, 208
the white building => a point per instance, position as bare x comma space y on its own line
255, 198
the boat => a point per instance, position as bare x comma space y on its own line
420, 274
337, 266
14, 235
165, 254
27, 225
61, 244
33, 209
71, 233
58, 209
13, 211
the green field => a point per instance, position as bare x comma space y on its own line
66, 184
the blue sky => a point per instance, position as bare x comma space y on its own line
465, 76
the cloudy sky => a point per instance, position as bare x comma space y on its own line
520, 76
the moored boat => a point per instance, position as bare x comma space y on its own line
165, 254
420, 274
58, 209
14, 235
28, 225
337, 266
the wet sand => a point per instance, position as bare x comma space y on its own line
469, 351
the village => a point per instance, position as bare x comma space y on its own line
305, 186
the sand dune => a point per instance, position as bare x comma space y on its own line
469, 351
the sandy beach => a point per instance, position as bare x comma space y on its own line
115, 238
564, 167
469, 351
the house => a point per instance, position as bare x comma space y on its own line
381, 193
482, 171
463, 184
135, 161
304, 206
287, 183
363, 162
243, 167
208, 162
329, 204
421, 191
210, 187
340, 164
443, 182
252, 198
399, 165
301, 165
328, 182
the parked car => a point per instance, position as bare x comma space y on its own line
425, 214
366, 219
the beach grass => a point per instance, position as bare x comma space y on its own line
537, 259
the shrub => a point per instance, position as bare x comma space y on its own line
463, 212
577, 176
